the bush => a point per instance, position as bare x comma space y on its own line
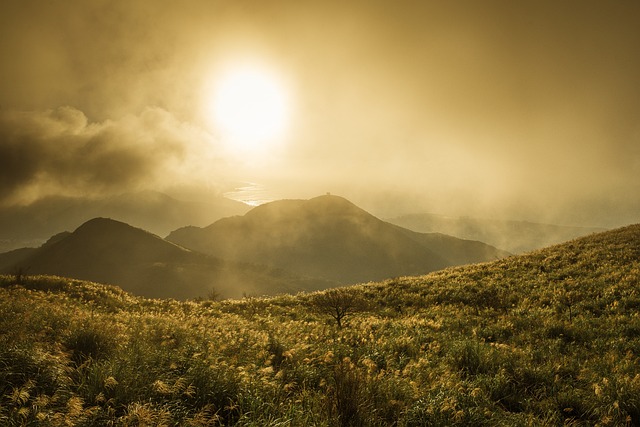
89, 342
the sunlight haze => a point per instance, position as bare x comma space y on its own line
351, 213
249, 109
512, 110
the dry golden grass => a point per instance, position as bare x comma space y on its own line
548, 338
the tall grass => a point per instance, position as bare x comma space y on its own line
489, 344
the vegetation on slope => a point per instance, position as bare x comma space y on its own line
548, 338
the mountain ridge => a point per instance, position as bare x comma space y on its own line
328, 236
154, 211
109, 251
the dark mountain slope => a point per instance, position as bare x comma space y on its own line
15, 257
513, 236
329, 237
108, 251
455, 250
101, 246
11, 258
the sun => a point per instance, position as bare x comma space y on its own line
249, 108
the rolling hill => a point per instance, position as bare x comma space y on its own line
109, 251
330, 237
549, 338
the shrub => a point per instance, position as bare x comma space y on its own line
90, 342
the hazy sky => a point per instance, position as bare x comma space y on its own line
517, 109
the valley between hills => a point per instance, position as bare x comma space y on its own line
548, 338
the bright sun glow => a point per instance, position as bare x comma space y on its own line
249, 108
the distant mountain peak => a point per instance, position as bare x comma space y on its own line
100, 223
334, 202
330, 198
330, 237
116, 233
56, 238
157, 212
325, 205
111, 251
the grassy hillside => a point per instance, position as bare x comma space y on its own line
548, 338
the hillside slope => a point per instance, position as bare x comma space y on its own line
12, 258
550, 338
513, 236
109, 251
329, 237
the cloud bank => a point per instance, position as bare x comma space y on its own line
59, 152
526, 110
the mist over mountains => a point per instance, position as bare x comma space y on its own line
513, 236
31, 225
279, 247
156, 212
330, 237
109, 251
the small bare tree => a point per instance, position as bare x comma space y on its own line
213, 294
19, 274
338, 303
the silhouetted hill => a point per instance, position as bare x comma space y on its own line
512, 236
108, 251
31, 225
11, 258
455, 250
329, 237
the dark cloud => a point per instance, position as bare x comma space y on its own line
60, 152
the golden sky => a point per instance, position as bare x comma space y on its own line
525, 110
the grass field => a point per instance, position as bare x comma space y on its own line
547, 338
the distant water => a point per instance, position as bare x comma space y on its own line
251, 193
